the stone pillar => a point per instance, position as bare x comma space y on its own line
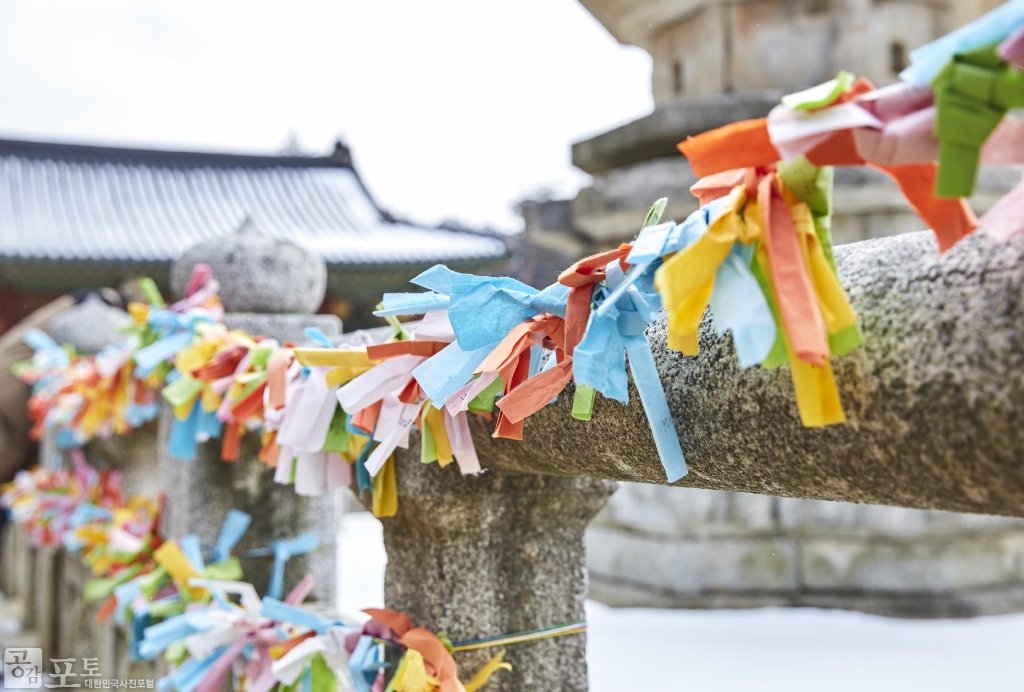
269, 288
477, 556
90, 327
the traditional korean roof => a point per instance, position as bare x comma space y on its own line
73, 202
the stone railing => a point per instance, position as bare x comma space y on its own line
43, 590
43, 587
934, 397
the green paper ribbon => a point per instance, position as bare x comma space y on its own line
821, 95
583, 402
337, 435
183, 390
972, 95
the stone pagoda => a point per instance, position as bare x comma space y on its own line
715, 62
719, 61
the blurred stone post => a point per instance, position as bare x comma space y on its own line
268, 288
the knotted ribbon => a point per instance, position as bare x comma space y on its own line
283, 551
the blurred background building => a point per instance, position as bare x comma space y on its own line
74, 217
719, 61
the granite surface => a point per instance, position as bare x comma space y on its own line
934, 397
257, 273
477, 556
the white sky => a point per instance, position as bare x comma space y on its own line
454, 109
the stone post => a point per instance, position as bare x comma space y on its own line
89, 327
477, 556
269, 288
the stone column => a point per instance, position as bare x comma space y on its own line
90, 327
269, 288
477, 556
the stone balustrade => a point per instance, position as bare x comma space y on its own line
42, 590
934, 397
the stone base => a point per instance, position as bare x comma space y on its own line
689, 548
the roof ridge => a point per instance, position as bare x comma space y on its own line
340, 158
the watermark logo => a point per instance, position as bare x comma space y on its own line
23, 669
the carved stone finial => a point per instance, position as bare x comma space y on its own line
257, 273
90, 326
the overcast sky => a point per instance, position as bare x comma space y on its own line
454, 109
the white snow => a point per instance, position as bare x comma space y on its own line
768, 649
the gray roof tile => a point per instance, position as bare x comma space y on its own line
72, 202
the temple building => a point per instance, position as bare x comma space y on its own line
74, 217
718, 61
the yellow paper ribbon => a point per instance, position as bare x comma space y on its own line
835, 307
687, 280
170, 557
195, 356
435, 419
346, 365
211, 399
411, 675
356, 444
485, 673
385, 491
817, 397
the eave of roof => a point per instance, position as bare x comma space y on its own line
86, 203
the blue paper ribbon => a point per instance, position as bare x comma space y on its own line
738, 305
190, 547
236, 523
448, 370
927, 61
411, 303
279, 611
737, 301
208, 426
187, 676
365, 663
437, 279
158, 637
137, 414
363, 473
317, 335
83, 514
148, 357
283, 551
483, 309
183, 434
135, 633
43, 343
616, 328
124, 594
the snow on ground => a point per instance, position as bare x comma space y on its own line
796, 650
